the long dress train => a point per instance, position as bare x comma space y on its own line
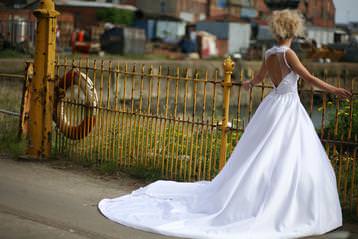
277, 183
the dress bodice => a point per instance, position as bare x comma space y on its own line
288, 84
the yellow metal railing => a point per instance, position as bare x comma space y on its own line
184, 123
166, 119
145, 114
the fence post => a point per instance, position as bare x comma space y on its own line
228, 68
42, 84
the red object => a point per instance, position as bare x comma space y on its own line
79, 44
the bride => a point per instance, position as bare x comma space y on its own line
278, 181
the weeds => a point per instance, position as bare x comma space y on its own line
10, 99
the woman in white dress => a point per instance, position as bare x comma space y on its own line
277, 183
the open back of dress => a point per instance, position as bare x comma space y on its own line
283, 78
278, 68
278, 182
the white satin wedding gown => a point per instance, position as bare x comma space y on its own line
277, 183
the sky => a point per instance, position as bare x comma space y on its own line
346, 10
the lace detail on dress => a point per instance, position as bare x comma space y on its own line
288, 83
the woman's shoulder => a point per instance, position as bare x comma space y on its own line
270, 51
278, 49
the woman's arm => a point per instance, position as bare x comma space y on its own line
301, 70
257, 78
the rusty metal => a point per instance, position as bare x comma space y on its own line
42, 84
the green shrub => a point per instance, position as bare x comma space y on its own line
115, 16
343, 117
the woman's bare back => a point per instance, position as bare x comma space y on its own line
276, 63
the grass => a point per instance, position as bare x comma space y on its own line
10, 53
10, 143
104, 148
107, 168
108, 56
349, 216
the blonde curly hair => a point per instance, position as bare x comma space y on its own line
287, 24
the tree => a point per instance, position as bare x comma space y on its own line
115, 16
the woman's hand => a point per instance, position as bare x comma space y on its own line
247, 84
342, 93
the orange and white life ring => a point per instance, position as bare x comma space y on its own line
76, 130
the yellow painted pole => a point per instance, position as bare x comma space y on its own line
42, 85
228, 68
